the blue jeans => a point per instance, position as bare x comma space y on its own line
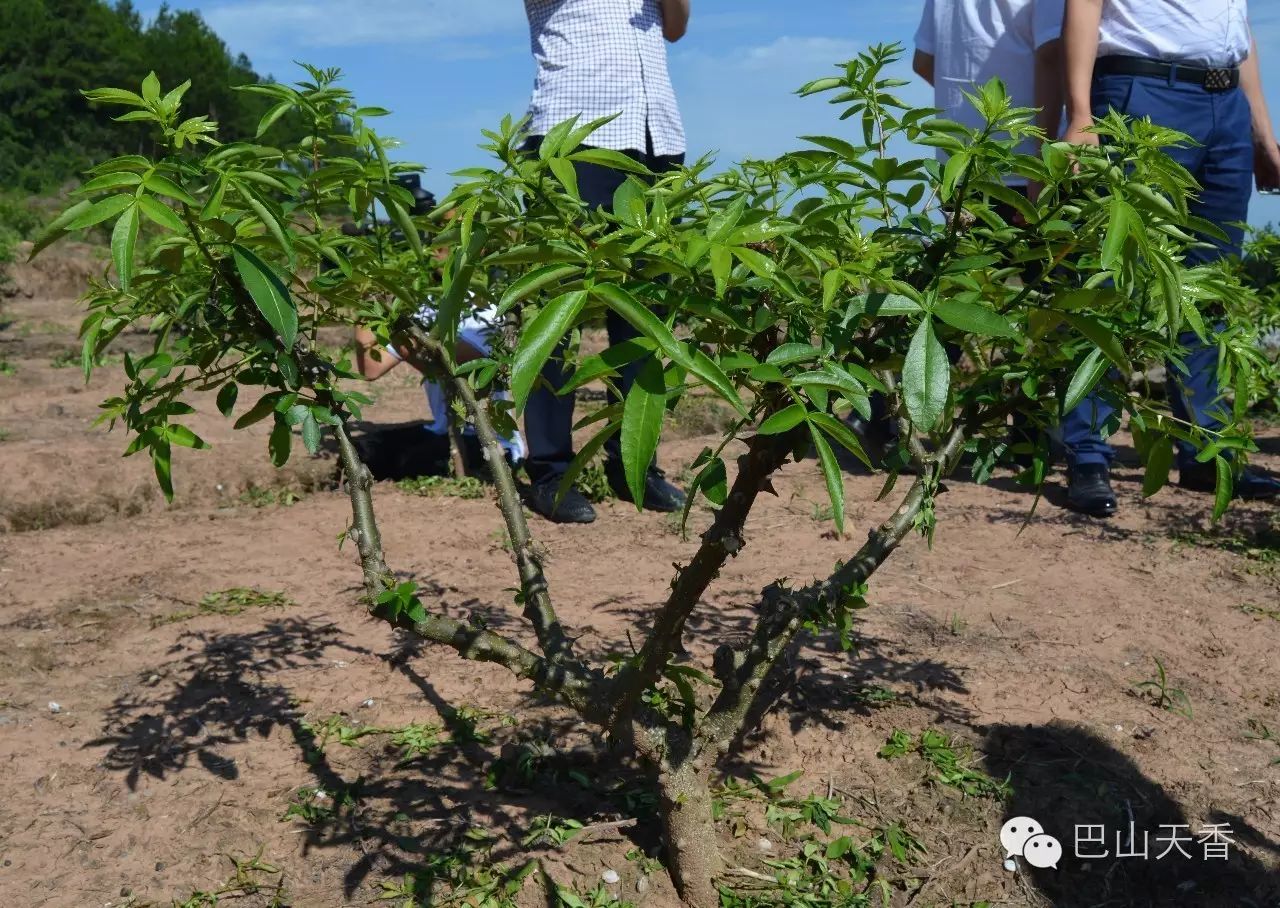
1222, 162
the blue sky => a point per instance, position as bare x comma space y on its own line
448, 68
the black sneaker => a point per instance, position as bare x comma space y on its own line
1250, 485
659, 495
1089, 490
573, 508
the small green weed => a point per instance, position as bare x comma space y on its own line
265, 498
7, 368
1161, 695
466, 876
951, 768
234, 601
1258, 613
593, 483
875, 696
443, 487
1261, 546
251, 877
1260, 732
648, 866
550, 830
599, 897
72, 359
317, 807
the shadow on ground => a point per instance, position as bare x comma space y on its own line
1066, 777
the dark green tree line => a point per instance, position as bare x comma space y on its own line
51, 49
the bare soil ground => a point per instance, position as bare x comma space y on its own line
183, 735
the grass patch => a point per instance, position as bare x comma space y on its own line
251, 877
1260, 545
952, 767
1258, 612
443, 487
7, 368
699, 414
234, 601
257, 497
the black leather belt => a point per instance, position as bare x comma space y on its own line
1210, 79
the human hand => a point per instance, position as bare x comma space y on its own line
1266, 164
1077, 133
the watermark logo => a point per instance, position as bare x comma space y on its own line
1023, 837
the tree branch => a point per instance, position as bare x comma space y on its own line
573, 683
722, 540
534, 590
364, 526
782, 611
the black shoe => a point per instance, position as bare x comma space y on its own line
659, 495
1250, 485
1089, 490
573, 508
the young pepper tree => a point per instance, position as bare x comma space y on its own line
793, 289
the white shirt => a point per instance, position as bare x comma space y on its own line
975, 41
602, 57
1196, 32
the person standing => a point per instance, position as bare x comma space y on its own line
960, 46
599, 58
1189, 65
963, 44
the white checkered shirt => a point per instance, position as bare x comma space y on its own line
601, 57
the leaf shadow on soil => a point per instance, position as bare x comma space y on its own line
1066, 777
220, 689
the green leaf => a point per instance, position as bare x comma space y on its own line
875, 304
539, 339
1123, 220
529, 284
161, 460
615, 160
271, 116
1101, 335
1086, 377
311, 434
783, 420
280, 442
124, 240
566, 174
1223, 488
184, 437
165, 186
628, 203
585, 455
926, 377
642, 425
269, 294
58, 227
151, 88
160, 213
265, 406
649, 325
99, 211
117, 180
974, 318
402, 220
842, 434
1159, 460
268, 218
831, 473
787, 354
227, 395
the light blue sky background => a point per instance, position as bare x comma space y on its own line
448, 68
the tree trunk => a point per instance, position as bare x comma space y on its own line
693, 852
